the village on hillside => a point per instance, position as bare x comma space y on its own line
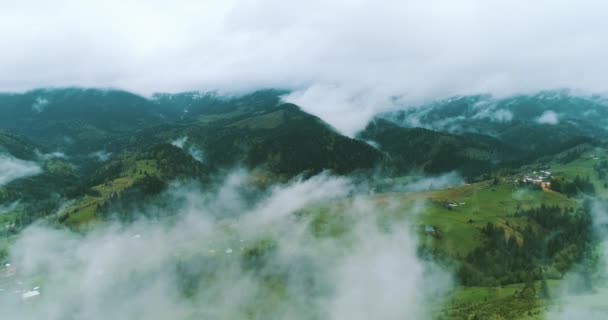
541, 178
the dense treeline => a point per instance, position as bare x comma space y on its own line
435, 152
601, 170
553, 241
126, 206
573, 187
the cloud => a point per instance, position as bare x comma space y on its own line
347, 109
363, 55
548, 117
12, 168
488, 110
9, 207
192, 149
588, 304
101, 155
179, 142
443, 181
40, 104
265, 262
51, 155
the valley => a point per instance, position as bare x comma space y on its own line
192, 192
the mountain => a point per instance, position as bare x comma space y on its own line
90, 156
116, 145
490, 115
436, 152
252, 129
17, 146
280, 138
75, 120
541, 124
94, 145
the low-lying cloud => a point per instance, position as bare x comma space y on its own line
9, 207
192, 149
40, 104
101, 155
548, 117
426, 183
487, 109
583, 292
363, 56
266, 262
12, 168
51, 155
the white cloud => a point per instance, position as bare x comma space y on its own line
12, 168
548, 117
192, 149
101, 155
575, 303
40, 104
143, 270
8, 207
364, 52
432, 183
347, 109
51, 155
179, 142
490, 113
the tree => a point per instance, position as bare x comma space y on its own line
544, 290
528, 292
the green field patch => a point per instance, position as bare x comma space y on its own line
502, 302
459, 213
583, 166
267, 121
84, 210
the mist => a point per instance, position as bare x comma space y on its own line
12, 168
8, 207
192, 149
343, 60
548, 117
583, 293
306, 249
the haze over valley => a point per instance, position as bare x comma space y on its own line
320, 160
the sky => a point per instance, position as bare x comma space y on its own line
344, 59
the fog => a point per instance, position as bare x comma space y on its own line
306, 249
583, 292
548, 117
191, 148
12, 168
344, 59
101, 155
8, 207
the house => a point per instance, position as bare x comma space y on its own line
539, 178
429, 229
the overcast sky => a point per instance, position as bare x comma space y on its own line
341, 56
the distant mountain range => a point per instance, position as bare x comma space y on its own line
85, 139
